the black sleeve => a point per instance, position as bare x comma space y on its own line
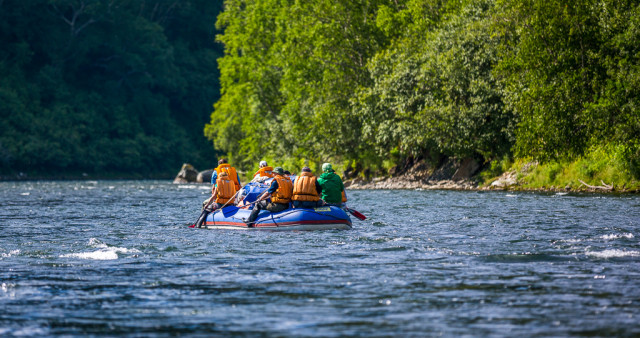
318, 188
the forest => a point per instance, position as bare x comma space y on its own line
106, 87
371, 83
128, 86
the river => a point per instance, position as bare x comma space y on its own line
96, 258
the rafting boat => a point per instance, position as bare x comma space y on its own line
323, 218
303, 219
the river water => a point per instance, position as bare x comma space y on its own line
117, 258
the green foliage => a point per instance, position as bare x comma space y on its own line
287, 78
573, 74
496, 168
96, 86
600, 164
101, 86
436, 93
358, 80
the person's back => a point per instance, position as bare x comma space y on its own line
284, 192
280, 191
331, 184
223, 166
264, 171
225, 189
306, 190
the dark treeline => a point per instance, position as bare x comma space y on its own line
373, 82
106, 86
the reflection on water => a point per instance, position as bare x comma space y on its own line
116, 257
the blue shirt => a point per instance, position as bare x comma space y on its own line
273, 187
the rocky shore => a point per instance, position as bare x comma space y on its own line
462, 175
451, 174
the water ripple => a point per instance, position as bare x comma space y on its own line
116, 258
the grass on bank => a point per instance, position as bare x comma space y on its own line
608, 164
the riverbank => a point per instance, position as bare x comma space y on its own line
575, 176
608, 175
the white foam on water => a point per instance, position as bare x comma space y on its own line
511, 195
32, 331
561, 193
616, 236
99, 255
10, 253
193, 186
402, 239
94, 242
611, 253
25, 194
105, 253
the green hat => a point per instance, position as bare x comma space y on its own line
279, 170
326, 167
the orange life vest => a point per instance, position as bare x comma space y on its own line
304, 189
226, 189
344, 197
231, 171
284, 192
264, 171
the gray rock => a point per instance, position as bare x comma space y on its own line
205, 176
187, 174
506, 180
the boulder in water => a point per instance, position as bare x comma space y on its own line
188, 174
205, 176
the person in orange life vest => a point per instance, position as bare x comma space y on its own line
306, 190
264, 171
223, 165
280, 192
223, 192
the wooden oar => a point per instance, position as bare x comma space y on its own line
356, 213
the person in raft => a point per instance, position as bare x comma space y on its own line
224, 166
306, 190
332, 186
280, 192
264, 171
224, 191
221, 193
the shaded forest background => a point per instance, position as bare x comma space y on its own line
106, 87
127, 86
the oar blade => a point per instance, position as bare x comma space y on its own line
229, 210
357, 214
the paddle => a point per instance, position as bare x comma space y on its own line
205, 212
203, 215
356, 213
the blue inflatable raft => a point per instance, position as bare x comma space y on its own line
303, 219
